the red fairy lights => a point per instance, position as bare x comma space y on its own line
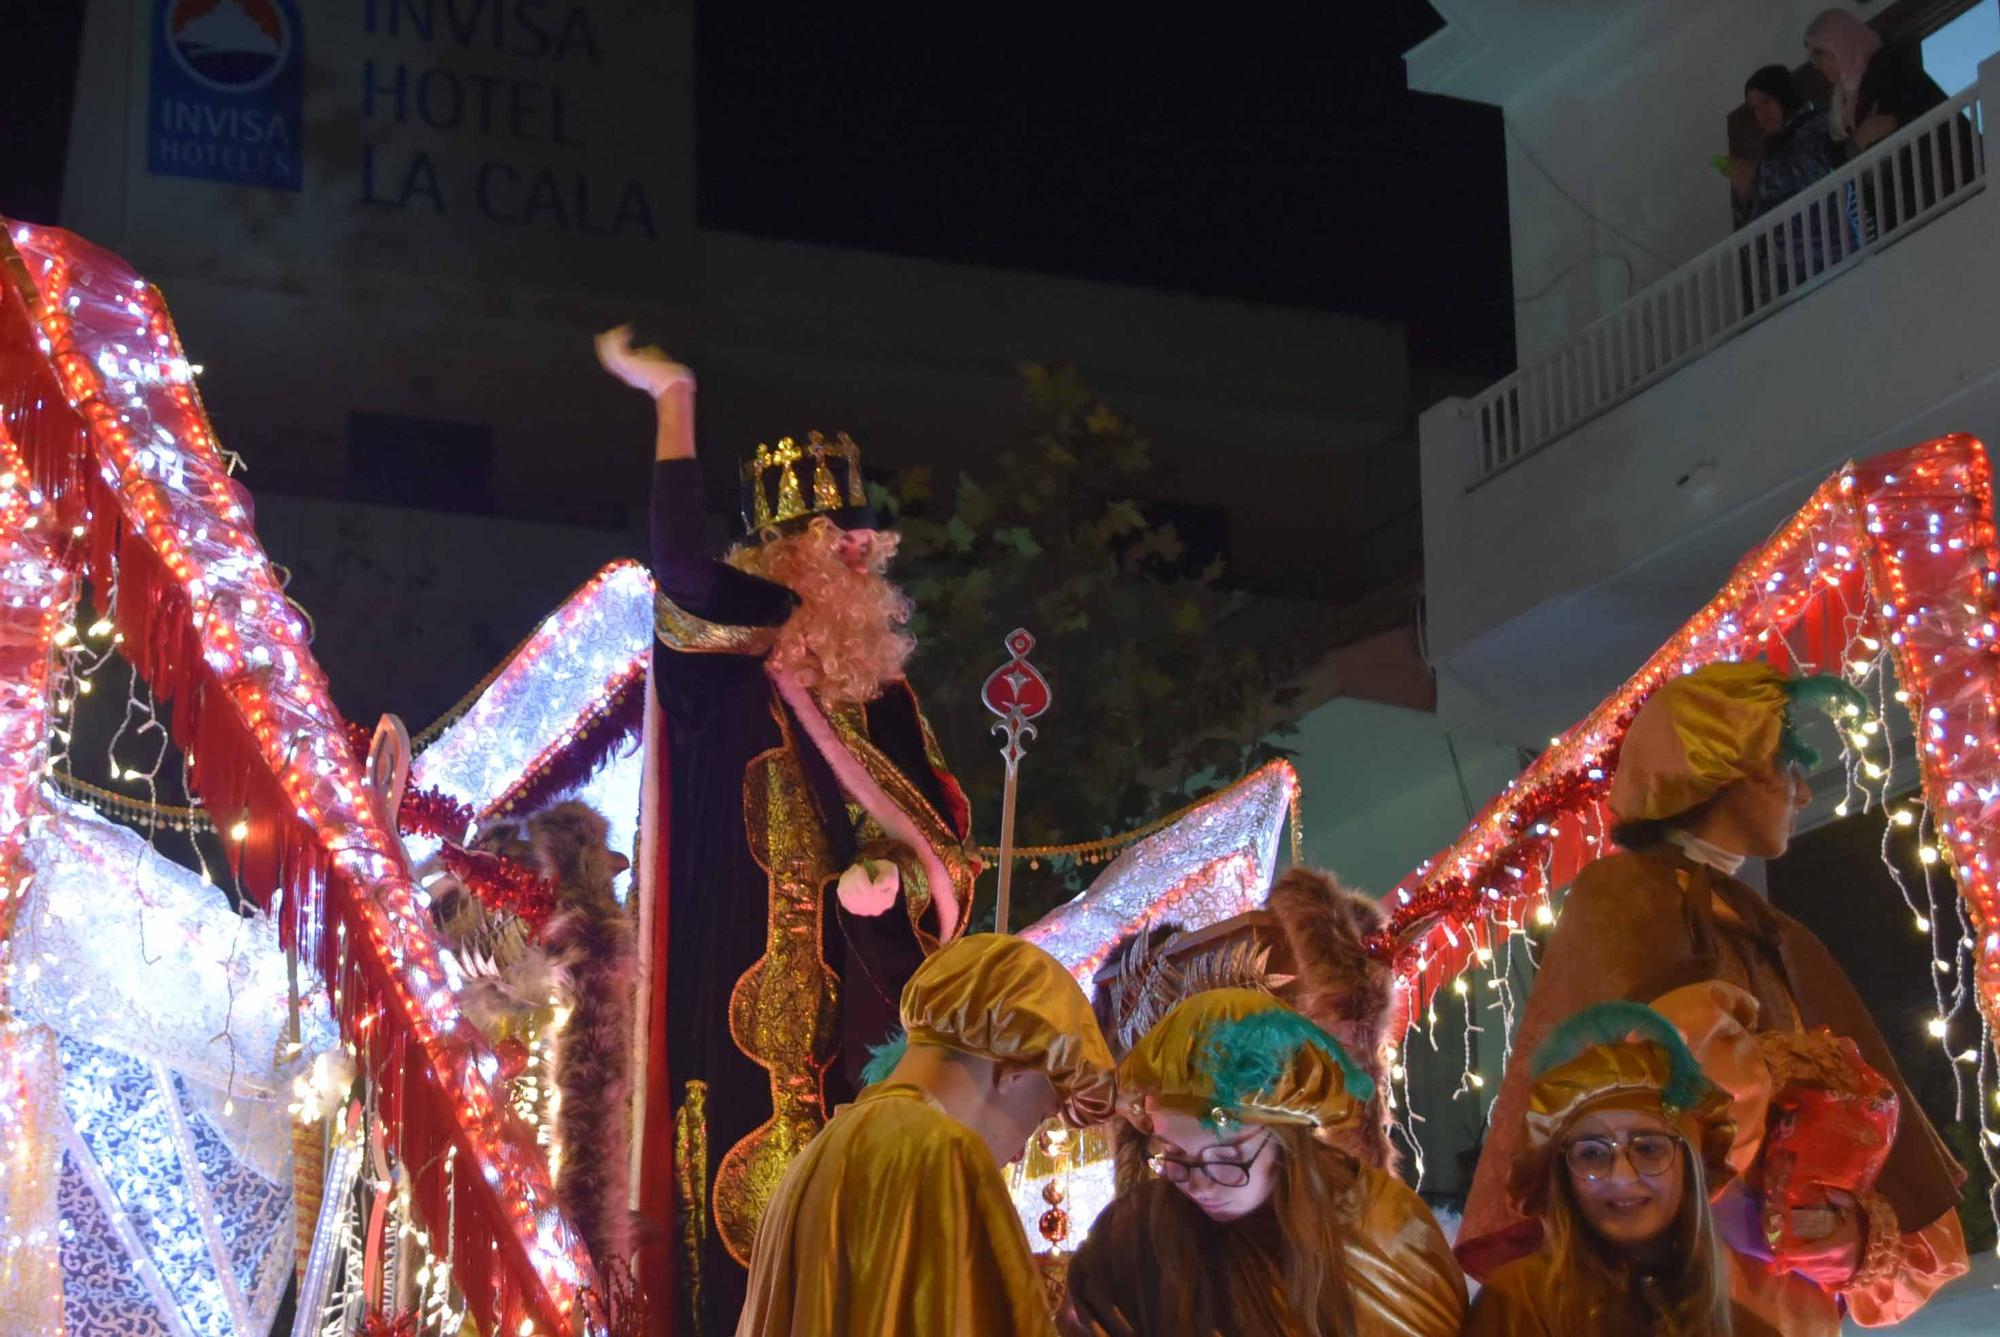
97, 392
1891, 558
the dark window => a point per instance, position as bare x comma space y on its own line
422, 462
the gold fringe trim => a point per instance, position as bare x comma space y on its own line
691, 1182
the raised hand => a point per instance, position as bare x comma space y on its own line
643, 368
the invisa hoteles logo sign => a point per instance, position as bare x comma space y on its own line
226, 96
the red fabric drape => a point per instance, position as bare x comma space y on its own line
659, 1252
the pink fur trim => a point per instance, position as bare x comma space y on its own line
861, 787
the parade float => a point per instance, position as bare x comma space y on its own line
197, 1101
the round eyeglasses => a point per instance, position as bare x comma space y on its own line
1222, 1174
1596, 1157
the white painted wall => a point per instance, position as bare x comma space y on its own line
1608, 180
1380, 792
1613, 108
1905, 347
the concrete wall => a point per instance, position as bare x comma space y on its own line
365, 293
1668, 490
1613, 109
422, 143
1608, 181
412, 608
1381, 792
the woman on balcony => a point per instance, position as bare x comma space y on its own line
1797, 151
1876, 91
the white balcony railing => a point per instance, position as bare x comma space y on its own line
1928, 167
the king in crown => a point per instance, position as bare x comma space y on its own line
811, 848
777, 480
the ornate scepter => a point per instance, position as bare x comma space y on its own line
1017, 693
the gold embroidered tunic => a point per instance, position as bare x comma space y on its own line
1520, 1299
894, 1222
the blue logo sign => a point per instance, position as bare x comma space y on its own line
227, 92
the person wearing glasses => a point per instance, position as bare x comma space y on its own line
1625, 1141
1711, 773
1248, 1219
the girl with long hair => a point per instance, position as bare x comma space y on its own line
1625, 1141
1244, 1217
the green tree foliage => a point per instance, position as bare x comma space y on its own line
1154, 702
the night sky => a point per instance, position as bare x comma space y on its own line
1275, 161
1212, 153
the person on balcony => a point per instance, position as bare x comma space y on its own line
1705, 779
1796, 152
1249, 1219
1876, 90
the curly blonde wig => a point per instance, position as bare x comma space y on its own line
845, 642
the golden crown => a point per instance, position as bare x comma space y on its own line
777, 478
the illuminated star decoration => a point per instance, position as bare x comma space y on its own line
1214, 862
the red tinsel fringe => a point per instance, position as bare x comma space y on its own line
432, 812
449, 1186
502, 885
424, 812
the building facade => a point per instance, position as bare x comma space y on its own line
389, 228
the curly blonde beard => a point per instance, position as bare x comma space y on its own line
845, 642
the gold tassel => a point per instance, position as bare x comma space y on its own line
691, 1182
